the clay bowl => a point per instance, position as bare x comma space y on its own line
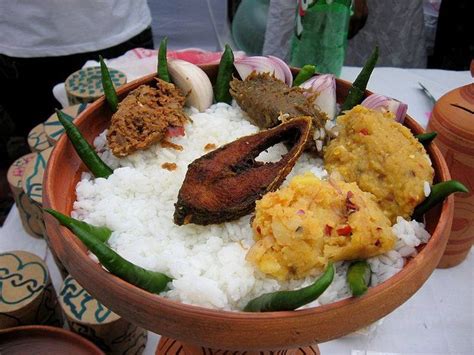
40, 339
221, 329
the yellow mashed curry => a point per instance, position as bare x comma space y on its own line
299, 228
382, 157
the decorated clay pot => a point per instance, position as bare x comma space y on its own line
27, 295
27, 209
37, 139
32, 184
85, 85
91, 319
54, 129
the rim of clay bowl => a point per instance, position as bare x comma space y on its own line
39, 336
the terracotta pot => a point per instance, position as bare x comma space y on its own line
223, 329
40, 339
453, 119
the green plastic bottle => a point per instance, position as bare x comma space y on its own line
320, 36
249, 24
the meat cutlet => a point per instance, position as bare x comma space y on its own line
145, 116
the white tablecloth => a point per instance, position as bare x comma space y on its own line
438, 319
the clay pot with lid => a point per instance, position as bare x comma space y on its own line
453, 119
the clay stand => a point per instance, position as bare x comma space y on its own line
26, 294
453, 119
85, 85
89, 318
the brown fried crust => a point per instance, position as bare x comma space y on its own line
144, 116
224, 184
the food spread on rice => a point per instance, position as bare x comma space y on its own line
224, 215
265, 98
383, 158
302, 226
146, 116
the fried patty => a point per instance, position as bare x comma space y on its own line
144, 117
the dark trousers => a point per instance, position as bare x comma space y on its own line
26, 86
454, 43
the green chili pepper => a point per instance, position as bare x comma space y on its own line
108, 86
83, 148
224, 76
305, 73
357, 90
438, 193
148, 280
290, 300
101, 234
358, 277
163, 73
426, 138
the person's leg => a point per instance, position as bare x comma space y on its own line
26, 89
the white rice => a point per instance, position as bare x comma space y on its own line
207, 263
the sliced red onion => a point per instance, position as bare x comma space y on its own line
325, 85
285, 68
245, 66
399, 109
383, 104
